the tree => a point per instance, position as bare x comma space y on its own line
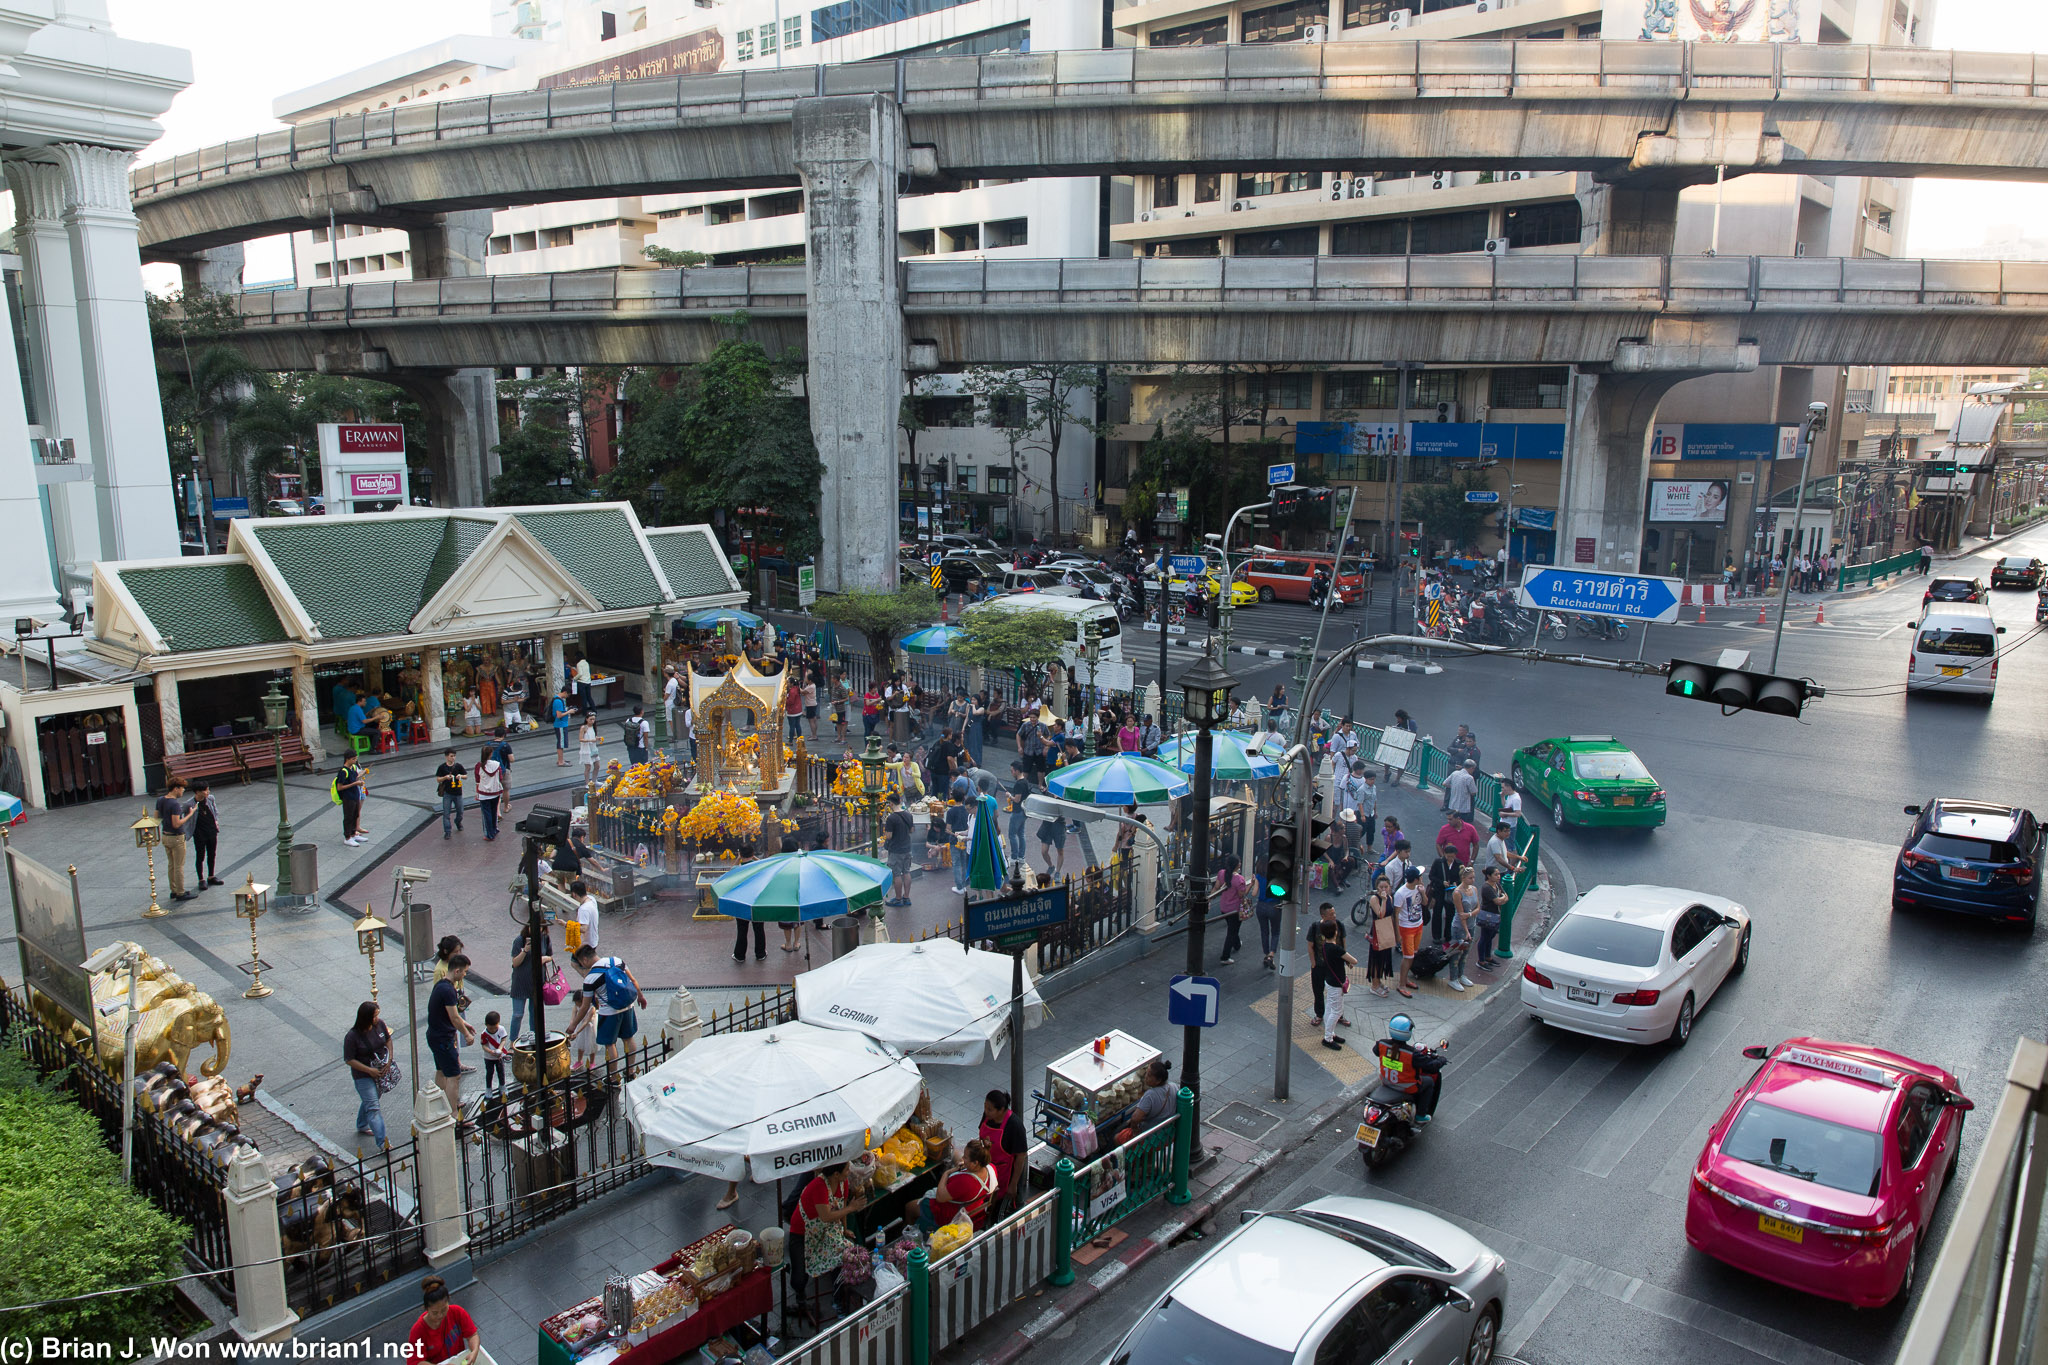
551, 441
284, 411
1033, 405
670, 257
880, 616
1205, 406
1011, 639
1443, 511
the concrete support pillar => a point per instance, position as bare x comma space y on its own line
1607, 468
217, 270
1145, 890
262, 1312
453, 246
434, 695
50, 315
558, 664
131, 462
30, 584
444, 1214
307, 701
848, 152
1617, 221
170, 713
650, 666
1056, 683
471, 417
1248, 850
1149, 705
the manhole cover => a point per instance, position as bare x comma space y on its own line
1245, 1121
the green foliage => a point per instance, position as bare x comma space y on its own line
1033, 405
1180, 455
72, 1226
669, 256
1443, 511
284, 410
191, 314
549, 442
1011, 639
880, 616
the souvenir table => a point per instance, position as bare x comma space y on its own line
697, 1307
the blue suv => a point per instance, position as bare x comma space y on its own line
1972, 857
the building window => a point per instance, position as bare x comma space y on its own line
322, 270
1441, 234
946, 410
1371, 237
1008, 38
1283, 23
858, 16
769, 44
1286, 182
319, 234
1001, 480
965, 237
1589, 31
743, 44
1190, 246
963, 479
1360, 389
777, 205
1360, 13
1299, 241
1208, 188
1542, 388
792, 33
1006, 410
1438, 6
1006, 232
1203, 33
1880, 218
731, 211
918, 243
1544, 224
1427, 388
1165, 191
1291, 390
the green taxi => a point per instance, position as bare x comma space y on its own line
1589, 780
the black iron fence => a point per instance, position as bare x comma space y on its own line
352, 1227
530, 1155
772, 1007
1101, 906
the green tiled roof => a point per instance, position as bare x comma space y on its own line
598, 548
458, 543
690, 561
204, 605
357, 577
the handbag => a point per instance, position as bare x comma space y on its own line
553, 989
1384, 934
388, 1075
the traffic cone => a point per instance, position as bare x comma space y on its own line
1760, 615
1820, 616
1703, 611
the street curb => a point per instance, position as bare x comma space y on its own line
1252, 651
1070, 1301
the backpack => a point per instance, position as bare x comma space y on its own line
619, 992
629, 727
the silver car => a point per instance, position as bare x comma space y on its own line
1341, 1279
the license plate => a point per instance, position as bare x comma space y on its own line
1581, 995
1952, 670
1624, 800
1368, 1135
1778, 1227
1962, 874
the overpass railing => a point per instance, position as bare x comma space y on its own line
1294, 71
1702, 283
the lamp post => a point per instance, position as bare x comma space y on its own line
871, 780
1205, 703
370, 942
252, 899
149, 832
655, 493
275, 719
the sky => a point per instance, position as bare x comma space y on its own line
247, 52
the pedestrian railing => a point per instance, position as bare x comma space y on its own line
1860, 575
1094, 1198
973, 1283
1528, 842
774, 1006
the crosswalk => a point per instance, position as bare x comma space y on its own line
1845, 629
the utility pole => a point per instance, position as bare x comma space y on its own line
1401, 369
1816, 422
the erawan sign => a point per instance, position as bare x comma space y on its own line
362, 466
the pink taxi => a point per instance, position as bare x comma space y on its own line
1823, 1173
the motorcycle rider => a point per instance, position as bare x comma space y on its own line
1319, 586
1412, 1070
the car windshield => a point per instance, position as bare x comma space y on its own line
2018, 562
1976, 644
1610, 765
1607, 940
1976, 850
1175, 1334
1805, 1148
1954, 587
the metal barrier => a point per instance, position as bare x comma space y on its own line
1858, 575
774, 1006
877, 1333
972, 1284
1980, 1304
375, 1241
1101, 907
1528, 842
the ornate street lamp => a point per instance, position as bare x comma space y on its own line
252, 902
149, 833
1205, 702
872, 780
276, 717
655, 493
370, 942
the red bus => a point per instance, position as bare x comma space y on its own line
1286, 577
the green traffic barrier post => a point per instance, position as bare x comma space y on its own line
1183, 1146
1063, 1221
1529, 841
919, 1274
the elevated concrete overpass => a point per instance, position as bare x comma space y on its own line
1654, 112
1587, 311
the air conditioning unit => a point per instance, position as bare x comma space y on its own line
1446, 412
1145, 217
1488, 6
1187, 213
1437, 180
1799, 248
1400, 19
1240, 205
1496, 246
1517, 175
1318, 33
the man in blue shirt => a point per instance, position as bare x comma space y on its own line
357, 717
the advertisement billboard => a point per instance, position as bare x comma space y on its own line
369, 438
49, 932
1693, 500
384, 483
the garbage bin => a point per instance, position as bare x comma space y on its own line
305, 869
845, 935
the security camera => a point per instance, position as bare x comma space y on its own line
414, 874
108, 957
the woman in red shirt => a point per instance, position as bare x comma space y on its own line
444, 1331
966, 1187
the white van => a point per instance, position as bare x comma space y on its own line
1955, 649
1095, 621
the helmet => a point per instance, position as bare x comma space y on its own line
1400, 1027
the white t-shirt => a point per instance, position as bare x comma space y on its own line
669, 690
1497, 852
593, 984
586, 915
1510, 803
1408, 908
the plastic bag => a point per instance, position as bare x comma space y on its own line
1081, 1138
887, 1277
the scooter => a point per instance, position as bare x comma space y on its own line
1389, 1125
2041, 605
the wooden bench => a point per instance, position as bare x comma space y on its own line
237, 757
198, 763
259, 752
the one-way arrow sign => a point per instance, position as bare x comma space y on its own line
1191, 1001
1595, 592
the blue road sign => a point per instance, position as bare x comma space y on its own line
1192, 1001
1595, 592
1481, 495
1189, 564
1015, 914
225, 509
1277, 474
934, 557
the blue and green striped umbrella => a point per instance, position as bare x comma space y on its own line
931, 640
985, 866
711, 618
1117, 780
1236, 758
792, 887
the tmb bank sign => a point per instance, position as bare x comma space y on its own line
693, 54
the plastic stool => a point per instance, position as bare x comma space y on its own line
387, 740
361, 743
415, 731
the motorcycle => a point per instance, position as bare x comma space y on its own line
2041, 605
1389, 1124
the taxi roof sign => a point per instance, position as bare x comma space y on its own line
1839, 1066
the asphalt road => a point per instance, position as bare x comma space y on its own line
1571, 1156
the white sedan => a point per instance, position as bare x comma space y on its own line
1636, 964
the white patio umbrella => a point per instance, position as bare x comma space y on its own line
772, 1102
940, 1005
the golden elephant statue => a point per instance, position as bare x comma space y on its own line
174, 1018
175, 1028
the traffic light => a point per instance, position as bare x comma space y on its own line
1732, 687
1286, 506
1281, 846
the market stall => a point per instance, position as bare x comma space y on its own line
711, 1289
1089, 1094
938, 1004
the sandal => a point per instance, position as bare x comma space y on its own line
728, 1201
1405, 991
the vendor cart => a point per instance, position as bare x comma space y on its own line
718, 1303
1098, 1084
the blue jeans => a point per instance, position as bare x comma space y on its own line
370, 1113
451, 805
960, 860
488, 806
519, 1004
1269, 928
1017, 837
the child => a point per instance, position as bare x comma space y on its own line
514, 697
583, 1044
497, 1047
472, 712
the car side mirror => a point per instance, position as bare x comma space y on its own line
2001, 630
1912, 623
1730, 922
1912, 810
1958, 1103
1756, 1052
